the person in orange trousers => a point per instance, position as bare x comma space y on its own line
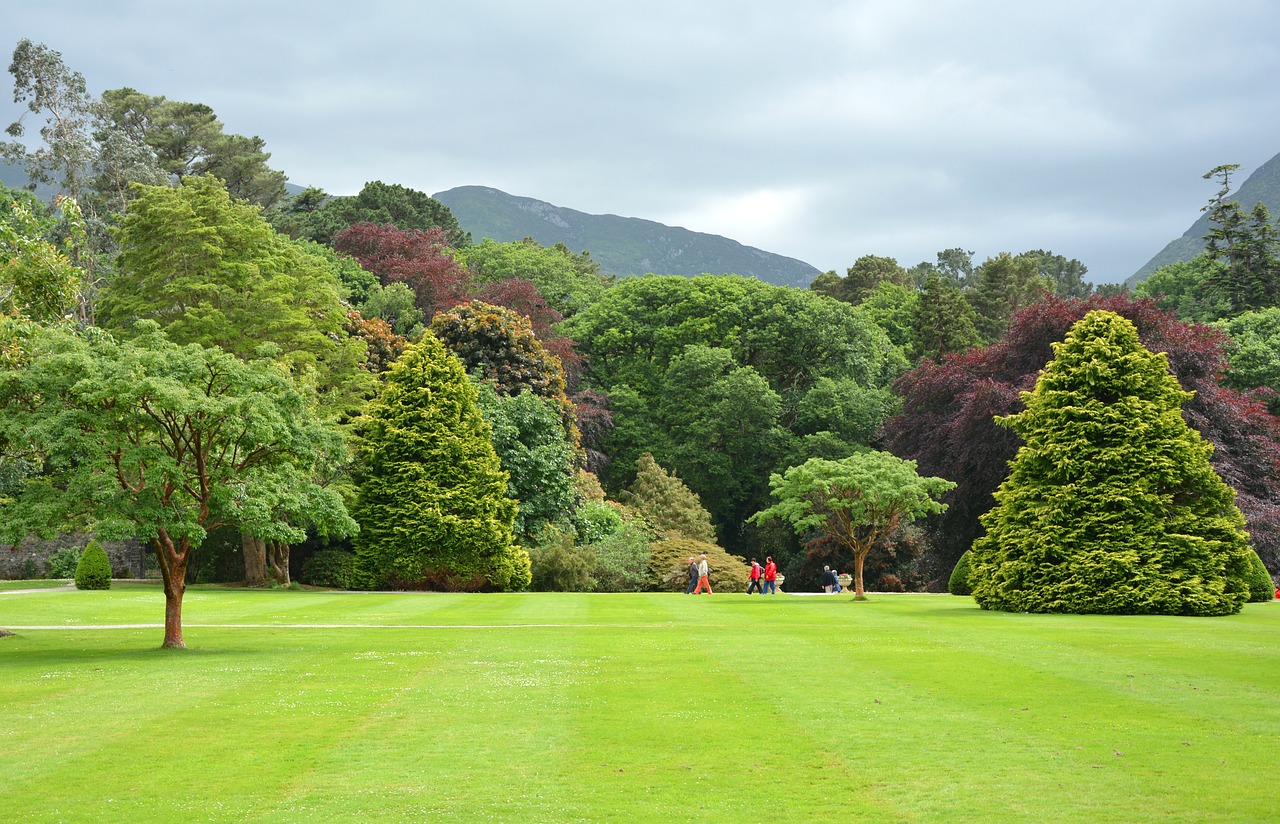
704, 579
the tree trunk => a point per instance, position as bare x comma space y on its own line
279, 557
173, 569
859, 594
255, 559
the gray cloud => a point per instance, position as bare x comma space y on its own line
820, 130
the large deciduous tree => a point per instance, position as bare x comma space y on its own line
421, 259
855, 501
1111, 505
149, 439
314, 215
432, 503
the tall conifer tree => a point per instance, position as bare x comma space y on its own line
433, 507
1111, 505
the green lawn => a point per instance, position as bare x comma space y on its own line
655, 707
38, 583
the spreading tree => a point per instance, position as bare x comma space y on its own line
432, 503
1111, 505
855, 501
149, 439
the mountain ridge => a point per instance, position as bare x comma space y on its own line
1262, 186
622, 246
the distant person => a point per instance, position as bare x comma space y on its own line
756, 572
770, 576
828, 579
693, 576
835, 578
704, 576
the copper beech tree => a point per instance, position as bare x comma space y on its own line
153, 440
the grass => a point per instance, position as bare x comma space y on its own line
654, 707
36, 583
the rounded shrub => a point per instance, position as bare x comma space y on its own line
94, 569
669, 565
958, 583
328, 568
1261, 588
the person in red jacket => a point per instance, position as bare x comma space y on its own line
756, 572
770, 576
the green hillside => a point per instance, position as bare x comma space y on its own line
1261, 186
621, 245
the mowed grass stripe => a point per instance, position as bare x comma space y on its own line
638, 707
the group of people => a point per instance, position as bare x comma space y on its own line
830, 580
763, 579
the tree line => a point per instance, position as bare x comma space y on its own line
186, 352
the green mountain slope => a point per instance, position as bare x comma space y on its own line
621, 245
1261, 186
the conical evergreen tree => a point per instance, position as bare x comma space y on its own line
432, 504
667, 504
1111, 505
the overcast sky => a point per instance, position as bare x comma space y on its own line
820, 130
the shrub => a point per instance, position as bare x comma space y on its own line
622, 561
63, 563
328, 568
958, 584
94, 569
669, 565
1261, 587
559, 566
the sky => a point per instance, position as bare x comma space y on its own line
823, 131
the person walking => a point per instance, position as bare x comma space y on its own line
828, 579
756, 572
693, 576
770, 576
704, 576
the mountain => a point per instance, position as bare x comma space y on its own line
621, 245
1263, 186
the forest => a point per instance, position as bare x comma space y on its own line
352, 391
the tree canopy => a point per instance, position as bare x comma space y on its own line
149, 439
855, 501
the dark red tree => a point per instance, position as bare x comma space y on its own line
419, 259
947, 422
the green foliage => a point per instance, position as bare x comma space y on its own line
329, 568
37, 279
669, 565
1184, 288
529, 440
943, 322
394, 303
593, 521
1248, 245
148, 439
1253, 355
958, 583
314, 215
94, 569
622, 560
29, 570
63, 563
893, 308
1111, 505
1262, 588
666, 504
432, 504
557, 565
188, 140
211, 271
568, 282
1003, 285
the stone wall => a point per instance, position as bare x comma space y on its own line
128, 558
